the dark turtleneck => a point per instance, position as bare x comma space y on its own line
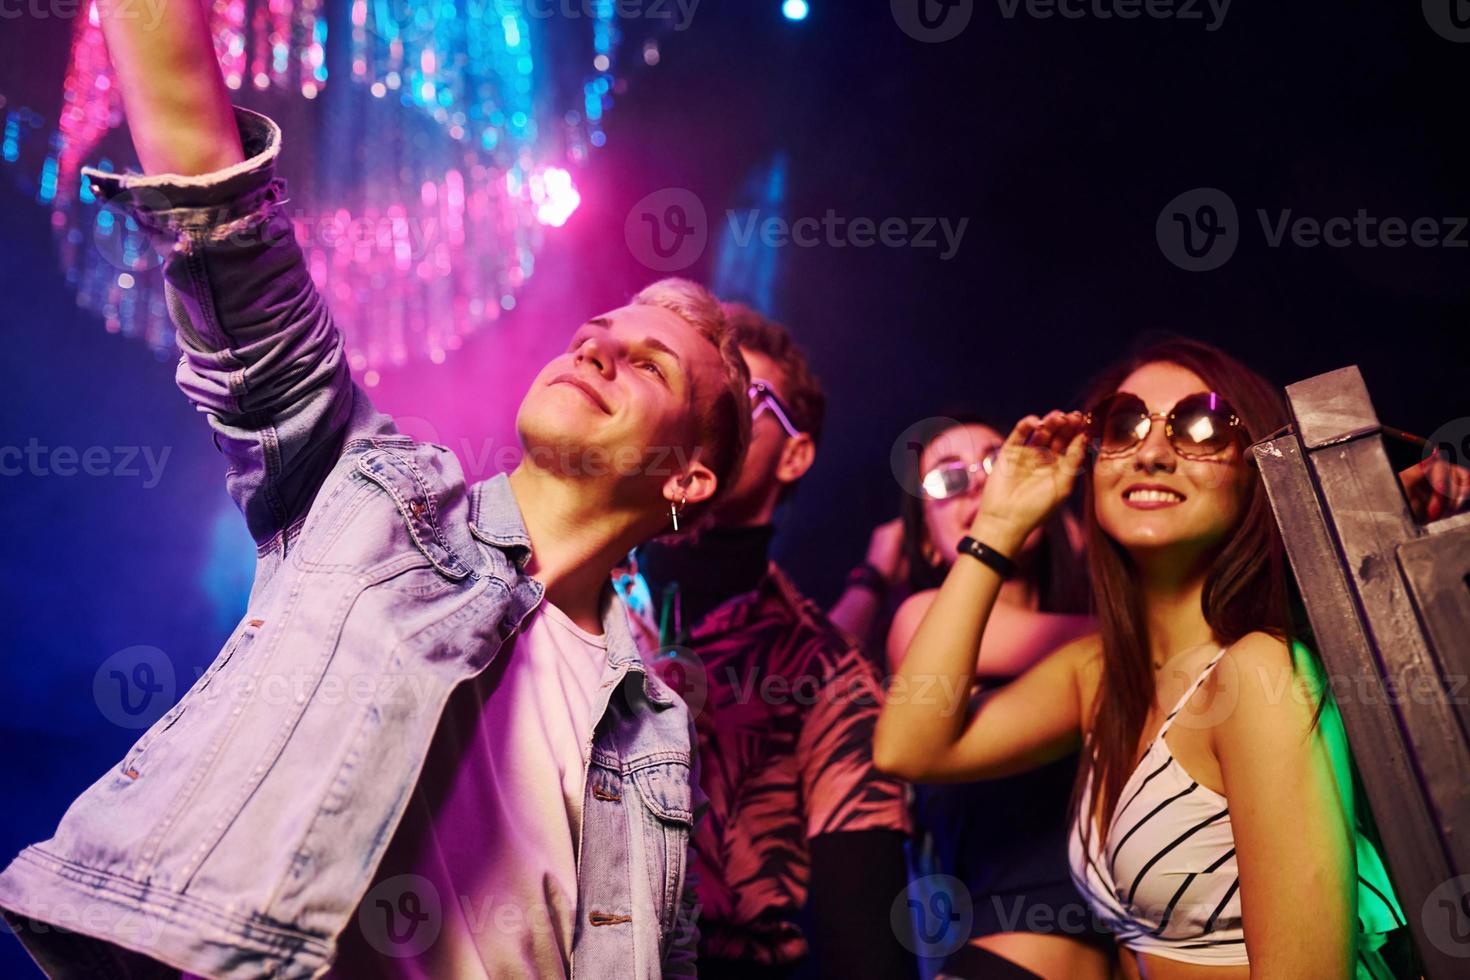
710, 567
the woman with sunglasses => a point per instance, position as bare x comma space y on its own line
943, 474
1004, 840
1213, 829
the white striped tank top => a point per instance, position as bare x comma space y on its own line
1163, 879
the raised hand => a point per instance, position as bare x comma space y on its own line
1435, 488
885, 550
1033, 474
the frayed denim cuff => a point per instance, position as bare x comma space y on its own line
208, 207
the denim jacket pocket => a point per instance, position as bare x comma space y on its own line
396, 473
668, 820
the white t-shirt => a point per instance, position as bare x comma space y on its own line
480, 879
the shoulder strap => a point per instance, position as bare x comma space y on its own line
1189, 693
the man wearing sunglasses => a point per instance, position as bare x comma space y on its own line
800, 855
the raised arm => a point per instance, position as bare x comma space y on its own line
925, 732
262, 359
858, 608
1015, 638
177, 105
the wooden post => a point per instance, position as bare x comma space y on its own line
1389, 603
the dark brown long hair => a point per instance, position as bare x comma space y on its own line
1247, 588
1053, 572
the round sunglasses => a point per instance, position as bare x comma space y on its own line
957, 477
1198, 426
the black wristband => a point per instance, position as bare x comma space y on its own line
987, 555
867, 576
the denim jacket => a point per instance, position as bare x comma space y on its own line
238, 836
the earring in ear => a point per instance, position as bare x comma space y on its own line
674, 510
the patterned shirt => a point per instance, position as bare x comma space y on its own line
785, 747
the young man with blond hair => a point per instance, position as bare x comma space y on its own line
476, 776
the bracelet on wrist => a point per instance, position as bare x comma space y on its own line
867, 576
988, 556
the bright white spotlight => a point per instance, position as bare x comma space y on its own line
554, 196
796, 9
